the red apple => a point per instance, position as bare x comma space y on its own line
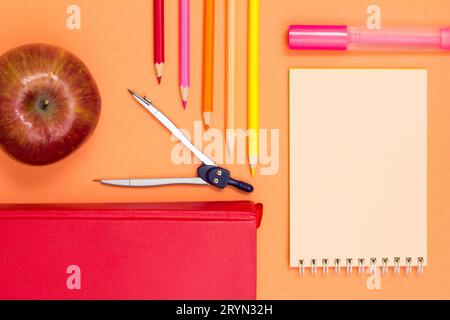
49, 103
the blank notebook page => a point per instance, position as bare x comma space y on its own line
358, 165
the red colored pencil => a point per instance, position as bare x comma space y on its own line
158, 29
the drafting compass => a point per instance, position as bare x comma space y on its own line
208, 174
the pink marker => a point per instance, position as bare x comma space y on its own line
345, 38
185, 57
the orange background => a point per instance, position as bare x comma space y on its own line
116, 44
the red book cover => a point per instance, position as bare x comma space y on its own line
129, 251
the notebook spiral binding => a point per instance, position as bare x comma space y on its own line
361, 265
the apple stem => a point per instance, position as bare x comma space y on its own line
45, 104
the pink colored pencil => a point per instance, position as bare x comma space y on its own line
185, 55
158, 38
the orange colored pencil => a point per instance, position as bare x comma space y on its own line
230, 71
208, 62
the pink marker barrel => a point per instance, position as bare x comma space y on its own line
339, 37
399, 38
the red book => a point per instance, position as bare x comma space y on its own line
129, 251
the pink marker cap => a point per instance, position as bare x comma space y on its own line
445, 38
312, 37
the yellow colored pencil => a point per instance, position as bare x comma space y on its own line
253, 84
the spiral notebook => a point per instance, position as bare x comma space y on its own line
358, 169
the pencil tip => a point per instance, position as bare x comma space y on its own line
184, 104
132, 92
207, 119
98, 181
230, 147
230, 140
159, 79
253, 171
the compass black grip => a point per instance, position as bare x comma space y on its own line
241, 185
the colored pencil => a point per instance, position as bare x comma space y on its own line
158, 37
208, 62
230, 83
253, 84
185, 54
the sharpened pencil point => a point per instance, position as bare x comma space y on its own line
230, 141
98, 181
159, 70
207, 117
253, 161
184, 95
159, 80
132, 92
